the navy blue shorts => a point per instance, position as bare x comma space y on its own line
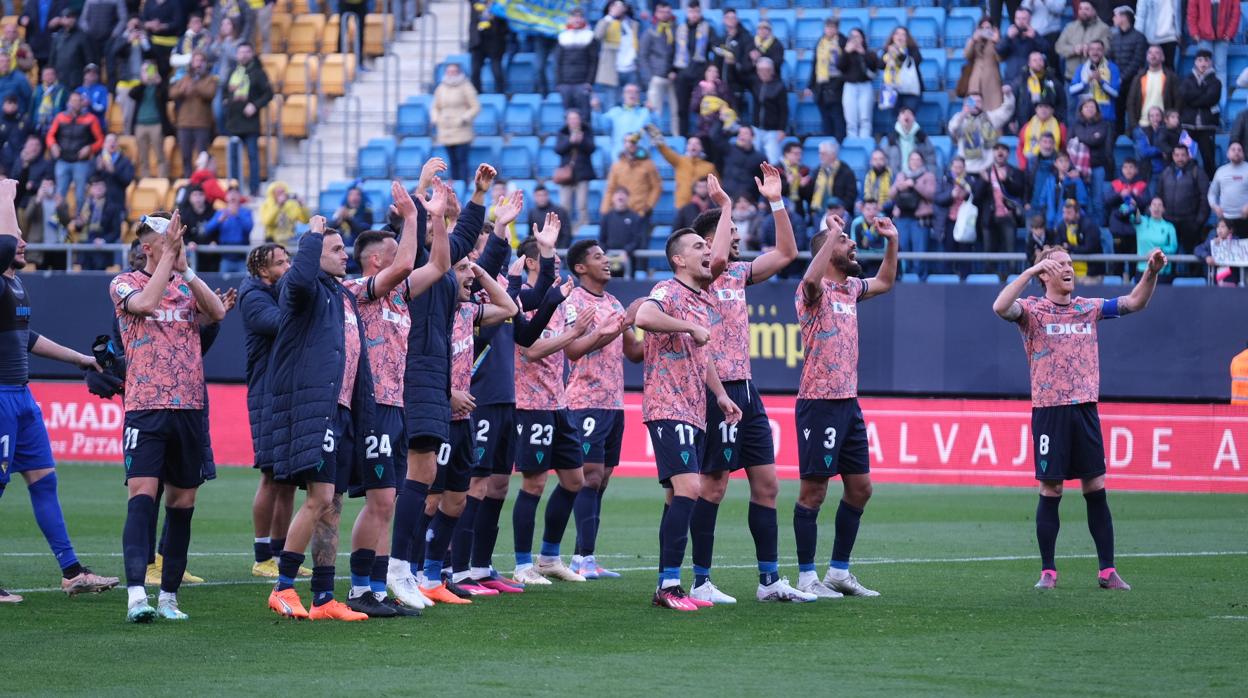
546, 440
337, 455
385, 453
677, 448
744, 444
1067, 443
165, 444
602, 435
455, 460
831, 439
24, 442
494, 437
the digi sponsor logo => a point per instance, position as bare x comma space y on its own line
1061, 328
400, 319
461, 346
172, 315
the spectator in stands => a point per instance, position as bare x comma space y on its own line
878, 182
48, 100
576, 64
618, 36
1128, 50
41, 18
575, 146
693, 43
863, 229
248, 92
205, 177
1037, 83
771, 105
833, 179
1098, 79
623, 231
1213, 25
903, 84
766, 45
1154, 87
1147, 150
1159, 21
34, 174
97, 222
73, 137
912, 194
1228, 191
741, 165
1199, 111
1038, 238
487, 40
985, 67
699, 202
905, 138
14, 129
1044, 123
1040, 170
14, 83
1154, 232
1046, 18
232, 225
975, 131
95, 94
542, 205
689, 167
280, 212
222, 57
242, 17
1021, 40
658, 50
164, 20
115, 169
1221, 233
1095, 133
1183, 188
637, 174
857, 64
1069, 185
716, 120
630, 116
18, 51
1126, 197
954, 189
150, 122
195, 38
353, 216
193, 95
360, 8
196, 212
746, 216
1079, 235
1077, 37
263, 19
1001, 202
797, 177
825, 84
1172, 134
735, 62
124, 64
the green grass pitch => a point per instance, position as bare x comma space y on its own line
957, 616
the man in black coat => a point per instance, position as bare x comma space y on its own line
736, 67
247, 92
40, 26
1199, 95
70, 52
742, 161
487, 40
1128, 49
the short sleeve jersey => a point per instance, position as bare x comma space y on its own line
1061, 344
730, 323
539, 384
467, 315
675, 366
596, 381
386, 324
351, 351
164, 366
830, 339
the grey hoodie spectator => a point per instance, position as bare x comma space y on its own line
907, 137
1046, 17
1228, 192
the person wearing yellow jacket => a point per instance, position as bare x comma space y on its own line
280, 212
689, 167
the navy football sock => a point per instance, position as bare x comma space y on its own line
765, 531
702, 531
377, 579
420, 539
1101, 525
485, 531
164, 535
277, 545
178, 541
847, 520
263, 548
407, 510
442, 526
47, 508
1047, 525
461, 548
362, 567
288, 565
584, 506
322, 584
523, 521
140, 511
675, 536
558, 511
806, 534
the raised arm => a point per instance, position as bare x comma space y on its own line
387, 279
721, 243
424, 276
782, 255
298, 286
144, 302
1006, 305
1139, 297
501, 306
206, 300
886, 275
812, 278
529, 330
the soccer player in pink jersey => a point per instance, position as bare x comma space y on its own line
595, 389
1060, 335
678, 373
831, 434
159, 309
383, 292
747, 444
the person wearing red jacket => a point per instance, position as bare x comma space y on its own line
1214, 27
74, 138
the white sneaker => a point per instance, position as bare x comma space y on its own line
555, 568
528, 575
708, 592
819, 589
405, 589
781, 590
847, 585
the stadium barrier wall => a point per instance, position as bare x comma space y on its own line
928, 340
1148, 446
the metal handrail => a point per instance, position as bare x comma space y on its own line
390, 77
357, 46
351, 104
318, 147
429, 42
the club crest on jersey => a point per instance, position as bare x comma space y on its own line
658, 294
1059, 328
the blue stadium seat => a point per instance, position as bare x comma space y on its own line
883, 24
749, 17
373, 161
782, 22
386, 142
413, 119
521, 72
547, 159
801, 77
589, 231
811, 4
910, 279
960, 25
484, 149
658, 236
944, 148
865, 144
486, 123
774, 4
596, 188
377, 191
926, 26
410, 157
788, 69
1124, 148
944, 279
932, 110
1109, 280
856, 158
550, 118
852, 18
665, 209
983, 279
331, 198
953, 70
517, 158
1190, 281
809, 121
497, 101
739, 4
808, 32
518, 119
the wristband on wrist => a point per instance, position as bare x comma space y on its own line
189, 275
777, 205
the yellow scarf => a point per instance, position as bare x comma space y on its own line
892, 66
823, 185
1036, 128
483, 24
1072, 238
763, 45
664, 29
1033, 85
793, 175
877, 186
1099, 94
712, 105
826, 52
611, 39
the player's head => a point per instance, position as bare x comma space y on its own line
705, 225
151, 234
334, 254
268, 262
690, 253
844, 251
375, 250
19, 259
529, 251
587, 260
1063, 282
135, 257
463, 277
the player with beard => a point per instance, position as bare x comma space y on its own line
1060, 335
678, 373
831, 434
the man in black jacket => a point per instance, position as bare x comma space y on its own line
487, 40
832, 180
694, 40
1127, 49
1183, 187
622, 230
70, 52
771, 104
542, 205
247, 92
1199, 94
576, 64
40, 22
741, 165
1000, 202
735, 65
